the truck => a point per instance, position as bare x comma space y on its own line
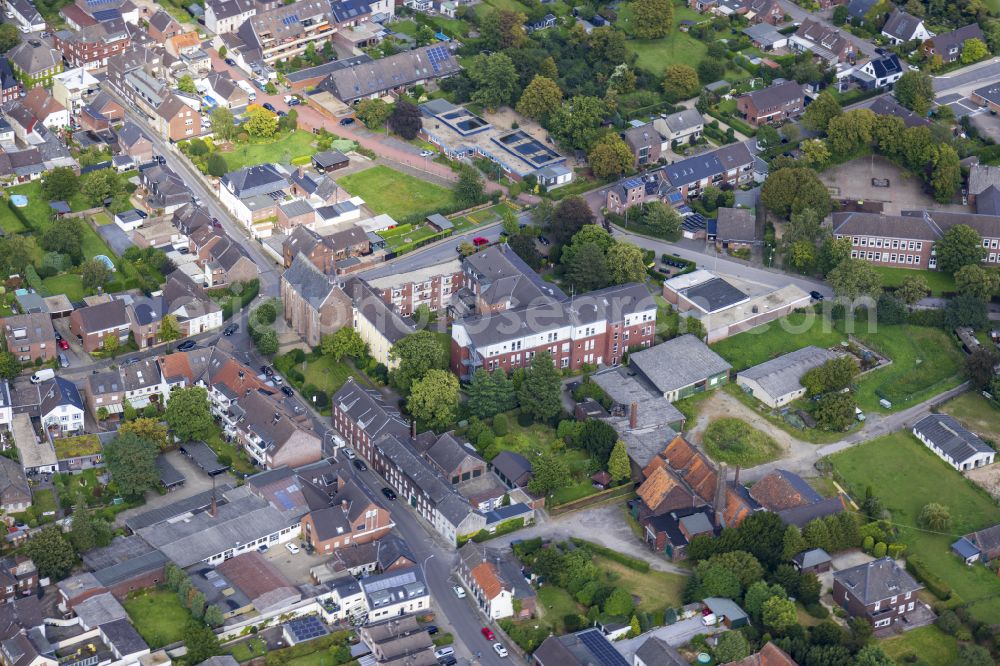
248, 89
43, 375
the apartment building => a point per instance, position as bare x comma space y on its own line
772, 104
92, 46
287, 30
432, 286
30, 337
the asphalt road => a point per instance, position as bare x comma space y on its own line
967, 79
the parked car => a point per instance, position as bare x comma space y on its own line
266, 369
58, 336
63, 344
432, 629
287, 390
292, 548
229, 330
488, 633
268, 106
446, 651
426, 153
544, 241
344, 122
389, 493
63, 360
500, 650
262, 548
230, 62
479, 241
186, 345
295, 101
459, 591
447, 660
281, 114
360, 465
816, 296
131, 361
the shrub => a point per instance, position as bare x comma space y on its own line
501, 426
868, 544
633, 563
879, 550
818, 610
934, 584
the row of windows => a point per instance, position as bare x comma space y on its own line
895, 243
887, 257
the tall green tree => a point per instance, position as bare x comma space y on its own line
568, 217
89, 531
652, 19
373, 112
65, 236
132, 463
619, 466
344, 342
548, 473
469, 188
223, 123
200, 641
626, 263
960, 246
495, 78
913, 289
540, 389
260, 122
186, 84
794, 189
10, 37
577, 122
433, 399
974, 279
966, 310
188, 414
588, 268
854, 278
597, 438
51, 552
680, 82
540, 98
94, 274
818, 115
663, 220
946, 175
779, 614
915, 91
415, 355
732, 647
170, 330
610, 156
60, 184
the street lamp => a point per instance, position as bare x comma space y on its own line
423, 564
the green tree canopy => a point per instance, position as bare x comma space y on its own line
626, 263
610, 156
913, 289
373, 112
652, 19
60, 184
619, 466
540, 98
94, 274
779, 614
961, 245
433, 399
680, 82
188, 414
818, 115
577, 122
540, 389
854, 278
794, 189
549, 473
416, 354
51, 552
915, 91
132, 463
495, 78
260, 122
345, 342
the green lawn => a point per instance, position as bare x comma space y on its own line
66, 283
737, 443
102, 219
655, 55
75, 447
937, 281
247, 650
556, 603
406, 234
902, 472
238, 461
158, 616
397, 194
283, 148
784, 335
975, 413
512, 5
656, 590
929, 644
43, 501
8, 221
327, 375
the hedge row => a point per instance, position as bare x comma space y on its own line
915, 565
633, 563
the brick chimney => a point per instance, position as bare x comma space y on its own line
720, 494
413, 428
736, 477
633, 416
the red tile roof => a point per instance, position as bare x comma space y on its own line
485, 575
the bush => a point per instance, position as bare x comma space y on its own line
501, 426
818, 610
934, 584
879, 550
868, 544
633, 563
297, 356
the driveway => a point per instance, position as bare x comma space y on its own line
195, 481
677, 634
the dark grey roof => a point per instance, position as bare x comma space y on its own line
950, 437
707, 165
736, 224
781, 376
141, 375
383, 316
986, 539
228, 8
685, 119
657, 651
130, 568
886, 66
204, 457
129, 134
800, 516
913, 227
448, 453
677, 363
512, 465
947, 41
33, 56
326, 68
811, 558
169, 476
764, 33
161, 20
901, 25
329, 158
61, 392
121, 549
310, 283
394, 586
888, 106
296, 207
589, 647
198, 502
367, 409
877, 580
252, 180
124, 637
776, 95
401, 69
714, 295
988, 201
858, 8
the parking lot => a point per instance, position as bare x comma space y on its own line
294, 567
960, 105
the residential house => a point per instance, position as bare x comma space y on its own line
163, 26
886, 105
15, 493
61, 406
857, 10
796, 503
26, 127
766, 11
376, 78
729, 165
30, 337
143, 383
771, 105
176, 120
951, 442
766, 37
582, 648
91, 47
284, 32
351, 517
94, 324
221, 88
35, 62
22, 166
681, 367
736, 229
769, 655
645, 144
680, 127
226, 262
361, 417
105, 390
778, 382
949, 45
313, 305
823, 41
46, 109
378, 323
295, 213
432, 287
76, 18
238, 191
398, 641
980, 546
224, 16
513, 469
270, 436
323, 251
72, 86
189, 304
10, 87
25, 16
101, 112
395, 593
165, 190
879, 591
880, 72
132, 141
901, 28
493, 595
330, 160
657, 652
18, 577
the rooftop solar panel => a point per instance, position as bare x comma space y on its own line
599, 646
632, 182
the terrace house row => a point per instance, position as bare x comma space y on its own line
515, 315
772, 104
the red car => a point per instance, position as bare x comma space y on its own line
479, 241
488, 633
63, 344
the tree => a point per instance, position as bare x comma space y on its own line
732, 647
834, 375
912, 289
415, 355
915, 91
89, 531
946, 175
489, 393
680, 82
216, 165
132, 462
344, 342
110, 344
200, 641
503, 29
610, 157
265, 340
405, 120
779, 614
835, 411
540, 98
10, 367
524, 247
587, 269
934, 516
289, 121
792, 543
981, 282
974, 50
840, 15
94, 274
577, 121
223, 123
970, 654
570, 216
539, 394
495, 78
265, 314
850, 132
469, 188
66, 237
626, 263
433, 399
548, 473
818, 115
10, 37
51, 552
767, 136
619, 602
15, 254
60, 183
652, 19
188, 414
715, 581
618, 463
592, 233
979, 367
966, 310
147, 428
854, 278
213, 616
794, 189
98, 186
260, 122
662, 219
373, 112
186, 84
711, 69
169, 329
960, 246
622, 78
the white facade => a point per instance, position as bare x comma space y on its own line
228, 24
378, 344
69, 418
235, 206
69, 87
978, 459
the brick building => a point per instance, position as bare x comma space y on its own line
772, 104
91, 47
432, 286
30, 336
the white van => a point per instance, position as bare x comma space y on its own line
248, 89
43, 375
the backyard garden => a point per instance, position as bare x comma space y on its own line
397, 194
158, 616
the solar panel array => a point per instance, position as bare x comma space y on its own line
601, 648
291, 19
632, 182
391, 581
307, 628
437, 55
